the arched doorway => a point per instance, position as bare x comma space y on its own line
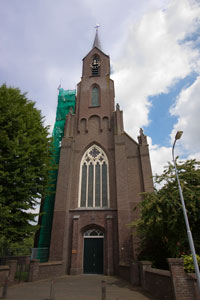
93, 252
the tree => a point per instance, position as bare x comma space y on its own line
24, 163
161, 227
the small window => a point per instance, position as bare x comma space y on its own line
95, 96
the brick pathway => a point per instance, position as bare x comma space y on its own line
81, 287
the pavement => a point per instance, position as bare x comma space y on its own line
79, 287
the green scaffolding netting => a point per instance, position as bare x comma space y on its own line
66, 103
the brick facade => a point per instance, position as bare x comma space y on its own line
129, 175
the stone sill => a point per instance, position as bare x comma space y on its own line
92, 209
51, 263
158, 271
4, 268
122, 264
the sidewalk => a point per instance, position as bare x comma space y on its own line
81, 287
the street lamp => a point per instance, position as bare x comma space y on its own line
190, 239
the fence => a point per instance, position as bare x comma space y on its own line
22, 272
14, 252
39, 253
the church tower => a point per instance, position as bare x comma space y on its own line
102, 172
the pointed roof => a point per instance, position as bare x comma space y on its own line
97, 43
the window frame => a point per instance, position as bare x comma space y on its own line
95, 86
94, 161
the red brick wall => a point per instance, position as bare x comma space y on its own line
124, 272
159, 284
50, 270
183, 289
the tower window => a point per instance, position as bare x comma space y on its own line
95, 96
95, 66
94, 185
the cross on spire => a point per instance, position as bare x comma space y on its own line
97, 43
97, 26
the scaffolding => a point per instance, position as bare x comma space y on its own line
66, 103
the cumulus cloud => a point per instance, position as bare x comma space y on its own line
159, 157
157, 53
187, 108
154, 57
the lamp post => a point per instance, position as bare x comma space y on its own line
190, 239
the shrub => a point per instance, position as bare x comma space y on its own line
188, 262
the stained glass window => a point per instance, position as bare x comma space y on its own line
94, 179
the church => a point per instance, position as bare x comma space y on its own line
102, 173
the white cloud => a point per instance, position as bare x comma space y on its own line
153, 58
194, 155
159, 157
156, 54
187, 108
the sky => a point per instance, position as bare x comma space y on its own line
154, 48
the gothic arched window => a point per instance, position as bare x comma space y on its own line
94, 179
95, 96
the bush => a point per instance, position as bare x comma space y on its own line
161, 226
188, 262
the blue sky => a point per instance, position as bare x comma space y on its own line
154, 47
161, 121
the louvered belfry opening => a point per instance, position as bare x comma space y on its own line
95, 66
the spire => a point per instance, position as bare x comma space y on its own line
96, 39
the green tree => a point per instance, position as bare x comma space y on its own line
161, 227
24, 163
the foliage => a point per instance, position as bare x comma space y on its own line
21, 275
24, 163
8, 248
161, 227
188, 262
